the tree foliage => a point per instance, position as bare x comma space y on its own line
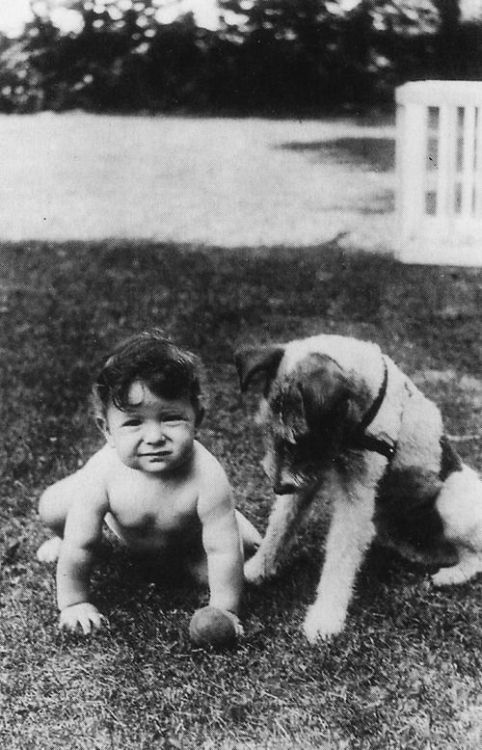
267, 56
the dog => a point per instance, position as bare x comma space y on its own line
343, 422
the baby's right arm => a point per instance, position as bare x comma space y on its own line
82, 533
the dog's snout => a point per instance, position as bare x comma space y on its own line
281, 478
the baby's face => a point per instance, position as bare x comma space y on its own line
154, 434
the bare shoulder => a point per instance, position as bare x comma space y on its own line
89, 483
214, 486
207, 466
102, 463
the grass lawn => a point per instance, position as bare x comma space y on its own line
191, 179
406, 673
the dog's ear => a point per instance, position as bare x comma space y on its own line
253, 360
324, 388
330, 394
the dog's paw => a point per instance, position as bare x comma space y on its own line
255, 570
321, 624
458, 573
444, 577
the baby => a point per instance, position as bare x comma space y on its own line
153, 484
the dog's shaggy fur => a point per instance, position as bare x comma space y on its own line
342, 421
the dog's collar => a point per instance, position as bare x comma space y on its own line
382, 444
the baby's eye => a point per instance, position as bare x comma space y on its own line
133, 422
173, 418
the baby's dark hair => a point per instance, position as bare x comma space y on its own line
168, 371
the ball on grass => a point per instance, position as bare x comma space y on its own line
212, 627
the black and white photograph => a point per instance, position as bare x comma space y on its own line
241, 374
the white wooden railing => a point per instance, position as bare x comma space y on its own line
439, 165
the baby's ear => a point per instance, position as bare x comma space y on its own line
101, 423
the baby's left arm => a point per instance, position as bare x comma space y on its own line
221, 543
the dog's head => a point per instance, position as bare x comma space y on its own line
308, 411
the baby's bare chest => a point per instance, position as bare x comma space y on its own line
151, 507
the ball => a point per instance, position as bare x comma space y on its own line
211, 627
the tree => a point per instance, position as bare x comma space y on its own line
21, 88
287, 51
268, 56
447, 48
26, 66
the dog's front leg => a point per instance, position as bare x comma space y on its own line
351, 531
282, 523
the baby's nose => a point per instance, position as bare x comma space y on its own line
154, 433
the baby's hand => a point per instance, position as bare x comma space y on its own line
84, 614
236, 622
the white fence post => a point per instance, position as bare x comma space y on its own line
439, 165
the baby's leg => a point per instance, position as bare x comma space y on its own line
250, 537
53, 508
49, 551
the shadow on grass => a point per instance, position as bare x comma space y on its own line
370, 154
126, 585
379, 203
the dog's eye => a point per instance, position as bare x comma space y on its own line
286, 448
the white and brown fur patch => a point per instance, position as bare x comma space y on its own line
343, 422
